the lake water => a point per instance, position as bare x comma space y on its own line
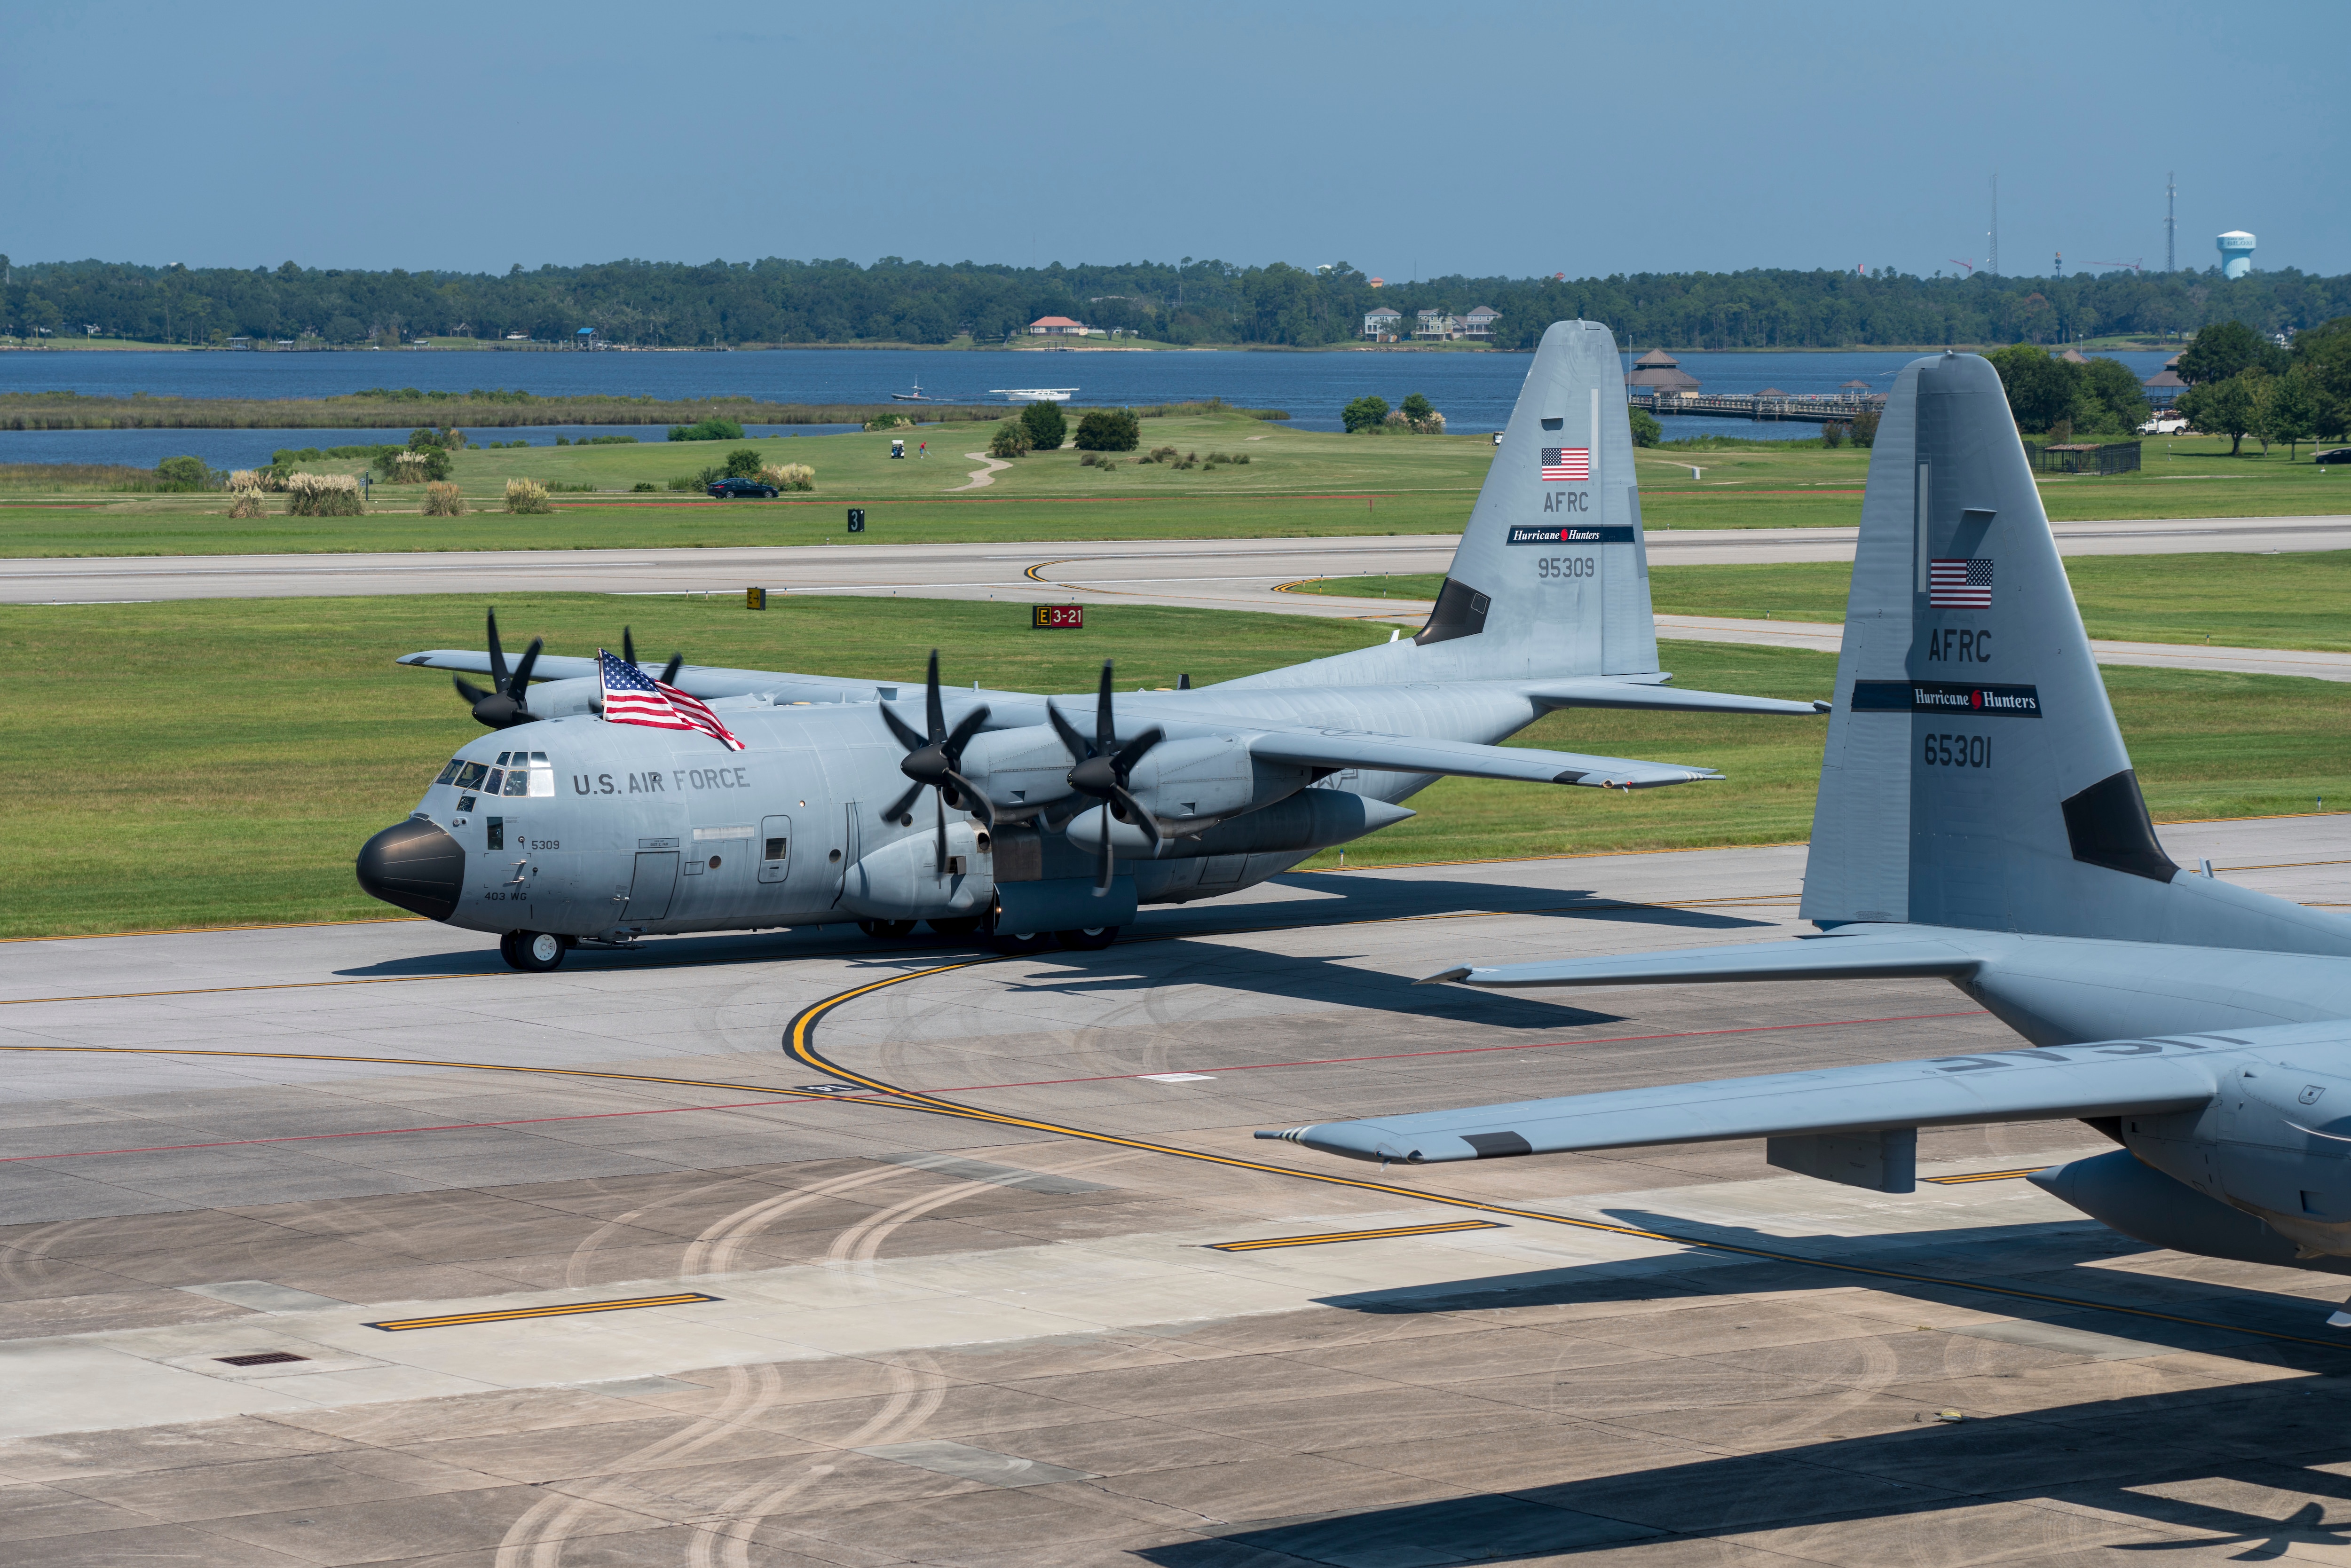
1475, 391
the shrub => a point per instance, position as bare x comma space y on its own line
411, 467
322, 496
644, 485
1239, 458
1833, 436
744, 462
556, 486
1159, 455
442, 500
1423, 419
1646, 431
527, 497
788, 476
1216, 458
245, 479
1364, 414
245, 489
1865, 428
1012, 440
182, 474
1109, 430
683, 482
708, 430
1048, 426
1189, 460
1100, 460
710, 475
891, 421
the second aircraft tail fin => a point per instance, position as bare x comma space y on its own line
1974, 775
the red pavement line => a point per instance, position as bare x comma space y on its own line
1073, 500
974, 1088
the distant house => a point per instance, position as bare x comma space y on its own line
1658, 371
1381, 323
1057, 326
1435, 325
1440, 326
1479, 323
2073, 356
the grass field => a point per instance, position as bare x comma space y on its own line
242, 800
1297, 482
2296, 600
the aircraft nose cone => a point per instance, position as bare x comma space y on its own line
415, 865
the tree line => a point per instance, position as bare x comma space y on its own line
1188, 301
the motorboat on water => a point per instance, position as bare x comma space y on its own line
917, 395
1034, 394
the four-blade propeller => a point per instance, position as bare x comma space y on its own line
933, 761
505, 704
1103, 773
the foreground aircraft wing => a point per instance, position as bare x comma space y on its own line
1657, 696
1409, 754
1885, 953
2109, 1078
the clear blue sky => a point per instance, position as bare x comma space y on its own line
1499, 138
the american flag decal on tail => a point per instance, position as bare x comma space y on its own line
1962, 584
1567, 463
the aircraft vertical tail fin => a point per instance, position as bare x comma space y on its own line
1552, 578
1974, 775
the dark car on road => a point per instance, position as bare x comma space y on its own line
727, 489
2340, 455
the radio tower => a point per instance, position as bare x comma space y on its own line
1992, 238
2170, 221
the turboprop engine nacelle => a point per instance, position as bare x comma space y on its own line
1309, 820
2274, 1143
1189, 784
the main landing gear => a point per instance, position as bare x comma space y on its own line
533, 952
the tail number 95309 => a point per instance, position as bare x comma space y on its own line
1560, 568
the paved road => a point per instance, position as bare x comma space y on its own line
894, 1339
1223, 574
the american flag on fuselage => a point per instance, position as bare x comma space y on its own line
1567, 463
632, 696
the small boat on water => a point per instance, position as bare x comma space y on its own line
917, 395
1034, 394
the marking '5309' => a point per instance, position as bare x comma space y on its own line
2041, 1055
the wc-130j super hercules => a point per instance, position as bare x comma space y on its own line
1053, 816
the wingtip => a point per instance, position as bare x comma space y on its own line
1820, 707
1446, 977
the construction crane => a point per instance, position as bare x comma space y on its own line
1957, 261
2135, 267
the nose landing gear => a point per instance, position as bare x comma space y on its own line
533, 952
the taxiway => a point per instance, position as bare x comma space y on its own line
841, 1326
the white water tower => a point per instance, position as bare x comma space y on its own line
2236, 253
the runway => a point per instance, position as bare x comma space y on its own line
1218, 574
890, 1330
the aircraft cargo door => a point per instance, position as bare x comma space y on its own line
775, 848
654, 885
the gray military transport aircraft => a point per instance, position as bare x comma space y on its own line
1979, 819
563, 828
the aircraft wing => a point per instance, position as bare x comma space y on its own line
1410, 754
1885, 952
1651, 695
2109, 1078
694, 679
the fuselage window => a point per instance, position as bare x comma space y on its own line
542, 776
776, 849
470, 775
449, 772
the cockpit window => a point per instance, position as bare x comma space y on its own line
471, 774
519, 782
449, 772
495, 781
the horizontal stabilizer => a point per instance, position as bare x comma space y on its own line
1466, 759
2108, 1078
1886, 953
1661, 698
